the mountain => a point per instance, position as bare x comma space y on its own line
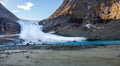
95, 19
8, 24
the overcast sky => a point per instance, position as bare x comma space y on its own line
32, 9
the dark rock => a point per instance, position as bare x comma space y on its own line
4, 13
19, 60
72, 16
8, 24
37, 62
119, 55
27, 57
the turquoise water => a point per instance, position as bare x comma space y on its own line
74, 43
90, 42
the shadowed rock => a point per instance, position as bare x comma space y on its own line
8, 24
95, 19
4, 13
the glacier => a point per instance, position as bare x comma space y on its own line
31, 32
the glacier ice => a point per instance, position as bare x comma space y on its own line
31, 32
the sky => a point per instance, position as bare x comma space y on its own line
32, 9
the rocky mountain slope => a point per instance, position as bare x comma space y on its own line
8, 24
95, 19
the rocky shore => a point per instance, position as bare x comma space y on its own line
52, 47
32, 56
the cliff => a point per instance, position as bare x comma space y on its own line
8, 24
95, 19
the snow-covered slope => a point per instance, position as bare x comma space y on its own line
31, 32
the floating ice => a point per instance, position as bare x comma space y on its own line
32, 32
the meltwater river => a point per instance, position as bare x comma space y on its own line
116, 42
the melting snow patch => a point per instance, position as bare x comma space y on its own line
89, 7
52, 32
2, 36
90, 25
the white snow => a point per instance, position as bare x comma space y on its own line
90, 25
89, 7
31, 32
52, 32
2, 36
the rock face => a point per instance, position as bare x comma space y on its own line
8, 24
95, 19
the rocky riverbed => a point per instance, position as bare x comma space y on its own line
100, 56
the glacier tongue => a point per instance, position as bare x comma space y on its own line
31, 32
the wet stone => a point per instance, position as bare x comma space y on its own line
27, 57
37, 62
19, 60
119, 55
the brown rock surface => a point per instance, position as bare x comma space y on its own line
95, 19
8, 24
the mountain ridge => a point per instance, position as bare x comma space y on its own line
95, 19
8, 24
